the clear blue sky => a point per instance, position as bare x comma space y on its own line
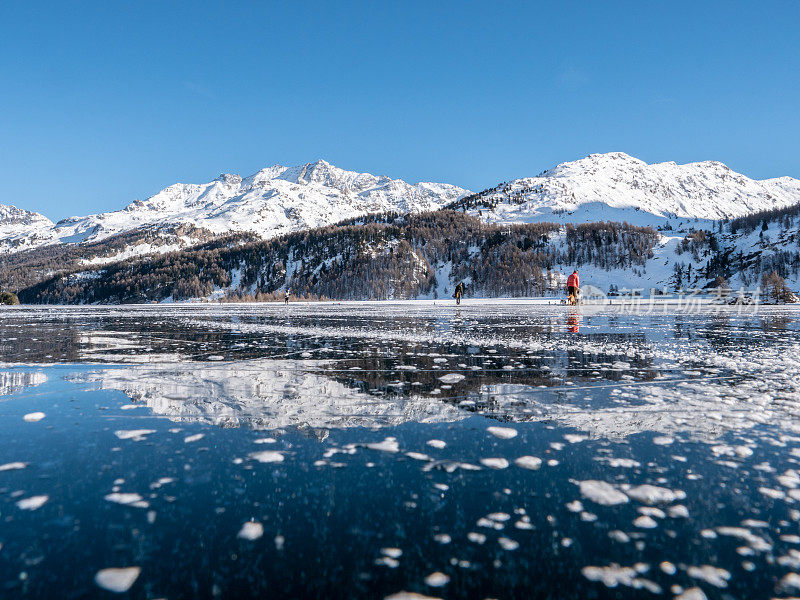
104, 102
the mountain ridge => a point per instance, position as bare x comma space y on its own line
678, 200
273, 201
616, 186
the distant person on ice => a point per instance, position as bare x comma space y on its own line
573, 287
286, 295
459, 292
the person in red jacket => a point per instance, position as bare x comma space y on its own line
573, 287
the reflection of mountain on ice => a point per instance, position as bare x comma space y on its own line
264, 394
701, 409
12, 381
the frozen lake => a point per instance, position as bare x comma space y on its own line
363, 450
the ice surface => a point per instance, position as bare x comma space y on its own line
33, 417
686, 455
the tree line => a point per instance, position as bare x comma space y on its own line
375, 257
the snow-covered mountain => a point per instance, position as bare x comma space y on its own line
271, 202
619, 187
21, 229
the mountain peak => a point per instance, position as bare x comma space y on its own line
229, 178
11, 215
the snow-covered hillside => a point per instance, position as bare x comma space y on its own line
271, 202
619, 187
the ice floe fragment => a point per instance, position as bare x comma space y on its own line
437, 579
137, 435
418, 456
252, 530
387, 445
117, 580
710, 574
504, 433
755, 542
652, 494
507, 543
575, 506
614, 575
693, 593
528, 462
737, 451
387, 561
645, 522
667, 567
619, 536
128, 499
450, 466
679, 511
33, 417
602, 492
625, 463
772, 493
33, 502
494, 463
267, 456
790, 582
13, 466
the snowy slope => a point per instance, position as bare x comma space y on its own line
619, 187
273, 201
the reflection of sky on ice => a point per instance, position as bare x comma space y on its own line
356, 451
